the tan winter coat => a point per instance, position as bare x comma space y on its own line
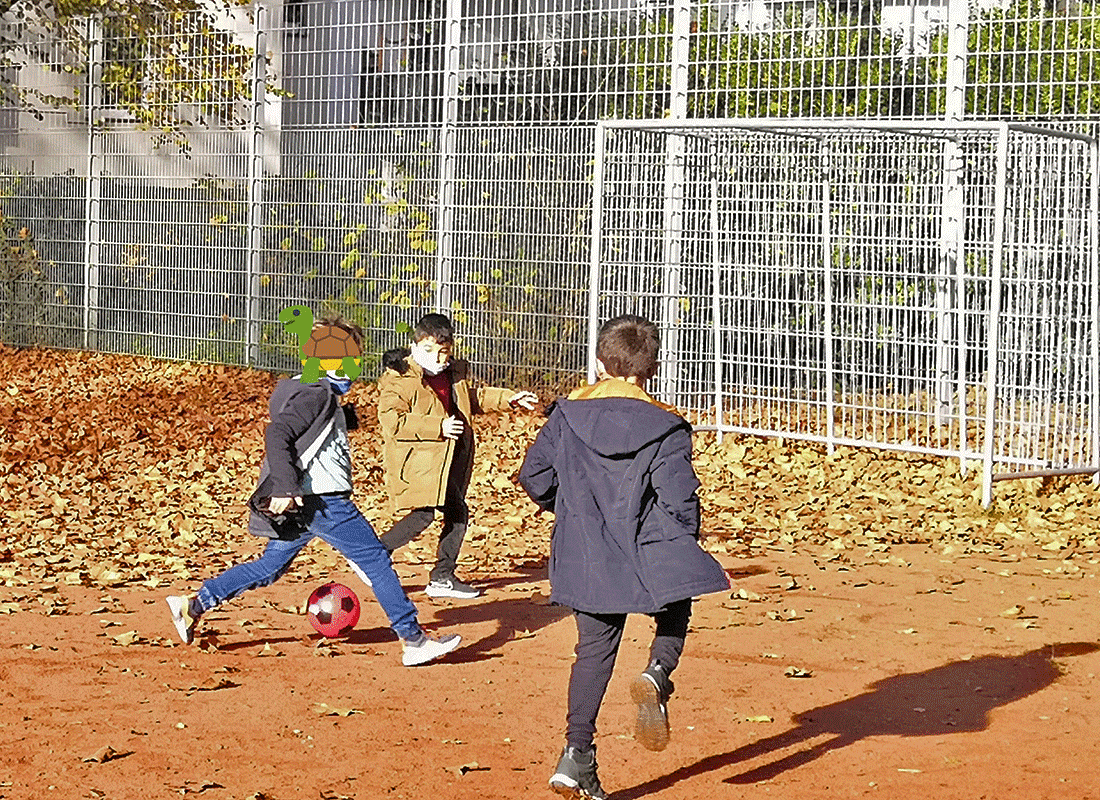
417, 458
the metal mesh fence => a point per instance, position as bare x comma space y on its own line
43, 207
1046, 349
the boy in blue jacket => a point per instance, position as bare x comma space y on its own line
305, 491
614, 466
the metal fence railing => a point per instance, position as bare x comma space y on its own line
168, 185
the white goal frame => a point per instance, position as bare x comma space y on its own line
923, 286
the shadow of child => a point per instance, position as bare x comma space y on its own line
952, 698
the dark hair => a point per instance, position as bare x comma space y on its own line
395, 359
434, 326
628, 346
340, 322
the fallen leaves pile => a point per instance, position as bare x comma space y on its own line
783, 493
119, 470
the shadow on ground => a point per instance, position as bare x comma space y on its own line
517, 618
952, 698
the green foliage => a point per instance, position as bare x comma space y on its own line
1028, 63
361, 246
171, 65
812, 62
827, 65
833, 60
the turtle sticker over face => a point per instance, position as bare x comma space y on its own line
324, 348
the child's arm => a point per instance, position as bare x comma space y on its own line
674, 481
397, 419
537, 476
492, 398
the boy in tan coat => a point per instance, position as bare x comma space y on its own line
425, 403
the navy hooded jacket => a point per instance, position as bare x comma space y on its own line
615, 468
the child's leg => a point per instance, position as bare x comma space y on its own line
407, 528
456, 515
653, 687
598, 638
340, 524
263, 571
668, 640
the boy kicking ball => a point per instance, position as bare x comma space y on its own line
614, 466
305, 492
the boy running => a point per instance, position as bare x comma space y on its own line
614, 466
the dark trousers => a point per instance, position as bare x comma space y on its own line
598, 638
456, 515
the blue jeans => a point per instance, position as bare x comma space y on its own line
337, 521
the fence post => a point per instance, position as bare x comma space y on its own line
950, 358
716, 288
949, 355
445, 215
670, 311
1094, 266
827, 298
596, 248
93, 190
256, 188
958, 30
994, 325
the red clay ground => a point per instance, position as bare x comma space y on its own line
883, 636
964, 678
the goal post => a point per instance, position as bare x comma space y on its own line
833, 283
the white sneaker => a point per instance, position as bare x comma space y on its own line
451, 587
182, 617
428, 648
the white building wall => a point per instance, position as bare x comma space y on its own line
59, 141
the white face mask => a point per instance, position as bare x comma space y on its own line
431, 356
341, 384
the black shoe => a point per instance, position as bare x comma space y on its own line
576, 775
651, 691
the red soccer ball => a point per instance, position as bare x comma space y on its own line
333, 609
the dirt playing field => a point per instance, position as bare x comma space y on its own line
912, 647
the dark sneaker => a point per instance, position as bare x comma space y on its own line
183, 617
451, 587
576, 775
651, 691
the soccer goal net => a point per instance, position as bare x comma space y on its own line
928, 287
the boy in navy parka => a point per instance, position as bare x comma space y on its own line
614, 466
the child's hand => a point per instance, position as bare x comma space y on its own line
279, 505
452, 428
527, 400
